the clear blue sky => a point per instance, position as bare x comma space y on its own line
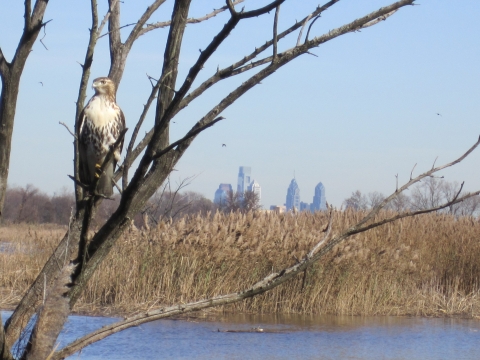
362, 111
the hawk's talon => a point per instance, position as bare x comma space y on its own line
98, 171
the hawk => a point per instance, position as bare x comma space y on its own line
100, 125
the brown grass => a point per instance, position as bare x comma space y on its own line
428, 265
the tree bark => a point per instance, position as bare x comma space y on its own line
10, 74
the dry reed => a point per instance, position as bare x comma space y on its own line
427, 265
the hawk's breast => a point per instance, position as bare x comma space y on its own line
101, 124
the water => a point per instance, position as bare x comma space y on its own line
284, 337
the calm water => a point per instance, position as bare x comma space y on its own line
285, 337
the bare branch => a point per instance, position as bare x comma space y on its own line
120, 28
192, 133
44, 33
113, 27
231, 8
105, 18
128, 156
261, 11
164, 24
283, 59
411, 172
230, 71
68, 129
307, 19
377, 20
328, 230
430, 172
28, 14
136, 31
275, 39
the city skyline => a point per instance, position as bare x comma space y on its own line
244, 183
356, 124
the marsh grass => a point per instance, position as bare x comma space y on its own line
427, 265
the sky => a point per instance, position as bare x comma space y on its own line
361, 111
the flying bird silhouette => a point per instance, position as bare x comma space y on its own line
224, 145
439, 114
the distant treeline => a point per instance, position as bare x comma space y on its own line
430, 193
30, 205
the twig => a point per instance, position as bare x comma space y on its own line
163, 24
70, 131
310, 27
44, 25
105, 19
79, 183
121, 27
325, 237
307, 19
411, 172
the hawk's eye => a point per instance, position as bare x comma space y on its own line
103, 81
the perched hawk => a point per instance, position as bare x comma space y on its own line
100, 125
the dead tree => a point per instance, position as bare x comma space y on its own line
77, 257
10, 74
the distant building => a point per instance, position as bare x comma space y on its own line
319, 200
255, 187
222, 193
305, 206
278, 208
243, 178
293, 196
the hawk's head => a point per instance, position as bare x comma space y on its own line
104, 86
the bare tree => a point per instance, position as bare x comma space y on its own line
427, 194
433, 191
77, 257
10, 75
357, 201
237, 201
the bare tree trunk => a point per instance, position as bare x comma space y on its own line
10, 74
4, 349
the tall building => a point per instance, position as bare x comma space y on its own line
319, 200
255, 187
293, 196
305, 206
222, 193
243, 178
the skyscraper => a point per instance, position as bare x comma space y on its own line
243, 178
222, 193
255, 187
293, 196
319, 200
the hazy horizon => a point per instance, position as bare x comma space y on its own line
361, 112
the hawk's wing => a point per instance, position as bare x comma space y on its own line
120, 126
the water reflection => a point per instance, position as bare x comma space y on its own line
285, 337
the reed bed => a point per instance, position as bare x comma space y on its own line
427, 265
